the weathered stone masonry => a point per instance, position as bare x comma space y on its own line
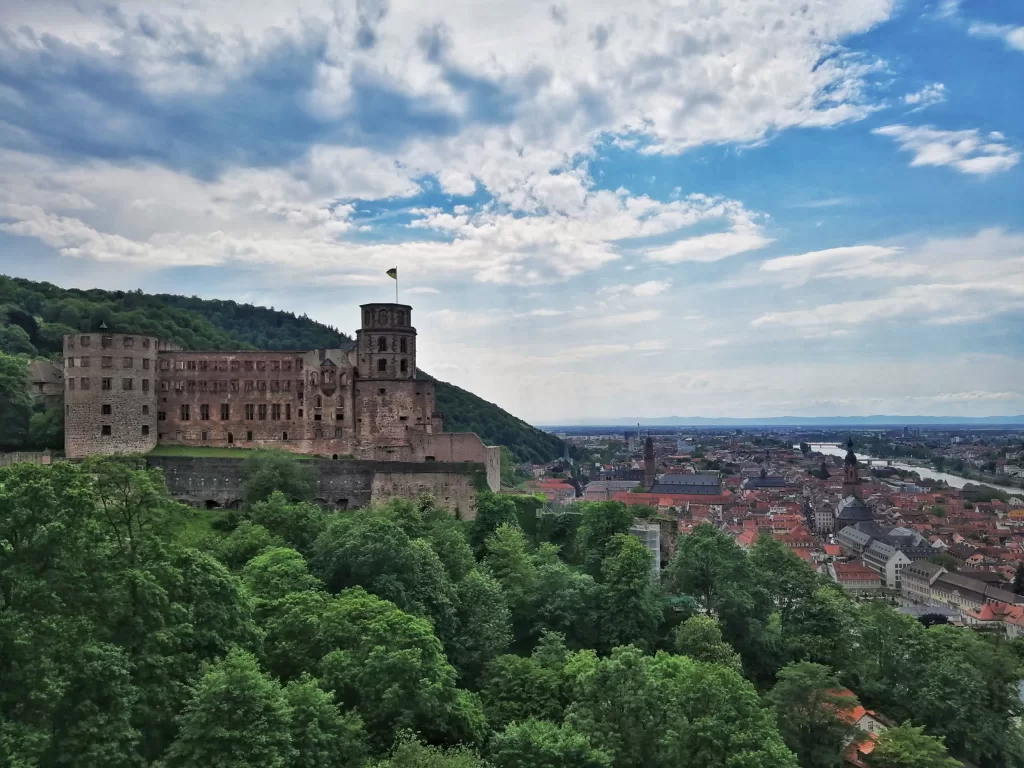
341, 485
127, 393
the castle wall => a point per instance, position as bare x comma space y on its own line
209, 482
110, 401
387, 410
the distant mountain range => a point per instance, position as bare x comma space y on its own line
803, 421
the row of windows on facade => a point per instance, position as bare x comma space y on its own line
382, 317
105, 362
107, 341
382, 344
252, 411
232, 365
233, 385
107, 431
106, 384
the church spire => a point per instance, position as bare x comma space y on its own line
649, 476
851, 478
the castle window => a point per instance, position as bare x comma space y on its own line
85, 362
317, 417
318, 434
204, 412
286, 385
261, 365
145, 385
298, 363
275, 365
404, 365
225, 411
300, 413
105, 430
249, 385
381, 391
165, 386
367, 317
85, 341
179, 386
382, 365
191, 365
235, 365
313, 380
203, 365
234, 385
145, 410
382, 316
165, 365
403, 418
104, 410
263, 411
107, 341
403, 344
145, 429
179, 365
337, 432
202, 436
250, 411
107, 362
248, 436
191, 386
261, 386
186, 412
71, 341
231, 438
286, 365
106, 383
401, 317
319, 402
126, 384
248, 365
382, 344
339, 415
145, 343
71, 362
145, 363
128, 341
84, 383
284, 435
71, 383
275, 385
275, 412
202, 386
288, 411
161, 416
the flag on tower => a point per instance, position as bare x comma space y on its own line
393, 273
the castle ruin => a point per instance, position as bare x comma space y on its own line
128, 393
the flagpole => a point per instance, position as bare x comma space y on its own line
396, 287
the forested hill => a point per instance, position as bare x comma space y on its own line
34, 316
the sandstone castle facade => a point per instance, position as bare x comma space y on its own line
128, 393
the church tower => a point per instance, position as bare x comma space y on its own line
649, 476
850, 477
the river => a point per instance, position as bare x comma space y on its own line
954, 481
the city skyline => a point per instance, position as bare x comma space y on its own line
774, 208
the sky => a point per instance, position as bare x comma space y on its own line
597, 209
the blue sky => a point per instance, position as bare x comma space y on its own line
598, 209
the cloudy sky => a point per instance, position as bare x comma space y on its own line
598, 209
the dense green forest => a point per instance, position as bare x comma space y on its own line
136, 632
35, 316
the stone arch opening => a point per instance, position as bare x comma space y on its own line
342, 504
334, 456
212, 504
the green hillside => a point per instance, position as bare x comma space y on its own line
34, 316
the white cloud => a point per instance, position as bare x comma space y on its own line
1012, 36
941, 282
645, 289
712, 247
420, 290
620, 319
930, 95
968, 151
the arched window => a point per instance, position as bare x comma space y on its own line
382, 344
368, 318
401, 317
328, 377
319, 402
382, 316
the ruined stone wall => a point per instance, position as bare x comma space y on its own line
209, 482
110, 399
387, 411
458, 447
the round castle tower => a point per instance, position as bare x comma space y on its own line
110, 393
386, 342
